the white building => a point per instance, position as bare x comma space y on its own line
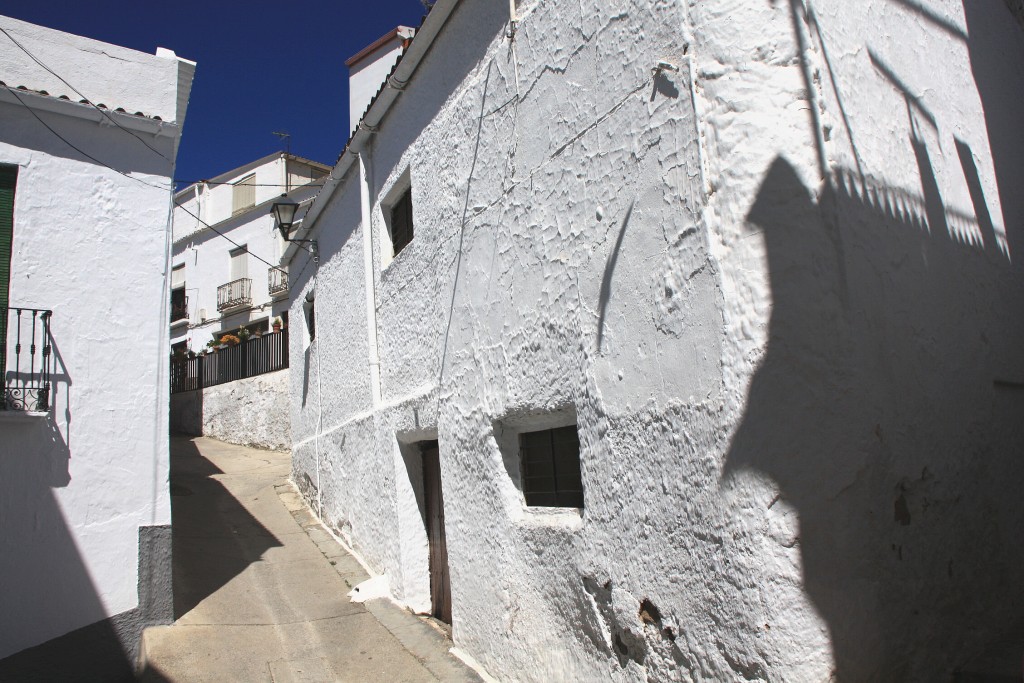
370, 67
224, 238
705, 319
222, 281
88, 137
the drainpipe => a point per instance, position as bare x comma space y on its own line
370, 285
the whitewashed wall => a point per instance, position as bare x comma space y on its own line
250, 412
367, 75
82, 488
778, 295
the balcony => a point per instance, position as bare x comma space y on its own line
252, 357
234, 294
25, 360
277, 282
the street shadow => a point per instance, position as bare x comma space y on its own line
214, 537
46, 580
876, 413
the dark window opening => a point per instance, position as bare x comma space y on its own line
8, 180
179, 304
401, 222
551, 467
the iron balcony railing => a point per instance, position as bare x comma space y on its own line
25, 359
179, 309
277, 281
235, 293
248, 359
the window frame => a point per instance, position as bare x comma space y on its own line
241, 191
401, 227
397, 203
540, 447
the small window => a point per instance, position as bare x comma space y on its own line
243, 194
179, 305
551, 467
401, 222
239, 263
179, 302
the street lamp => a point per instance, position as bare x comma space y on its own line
284, 214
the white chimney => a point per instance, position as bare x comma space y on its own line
368, 69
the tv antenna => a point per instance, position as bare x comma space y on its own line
286, 138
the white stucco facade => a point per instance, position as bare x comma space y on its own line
251, 412
764, 256
84, 501
369, 68
204, 215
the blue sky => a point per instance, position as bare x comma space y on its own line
262, 66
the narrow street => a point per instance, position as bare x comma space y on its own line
260, 588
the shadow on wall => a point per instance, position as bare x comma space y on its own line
46, 582
879, 413
186, 412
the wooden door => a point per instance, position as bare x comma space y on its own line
440, 588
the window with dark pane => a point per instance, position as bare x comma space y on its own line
401, 222
551, 467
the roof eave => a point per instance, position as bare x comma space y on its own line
375, 113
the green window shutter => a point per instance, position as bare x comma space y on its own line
8, 178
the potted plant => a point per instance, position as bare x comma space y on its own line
230, 340
276, 324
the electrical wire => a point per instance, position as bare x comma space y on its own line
77, 149
14, 92
131, 177
218, 232
87, 100
235, 182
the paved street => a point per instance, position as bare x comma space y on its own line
261, 588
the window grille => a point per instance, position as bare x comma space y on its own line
551, 467
401, 222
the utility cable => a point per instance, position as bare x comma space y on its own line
235, 182
108, 115
131, 177
14, 92
218, 232
87, 100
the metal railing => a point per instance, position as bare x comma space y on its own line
179, 310
277, 281
250, 358
235, 293
25, 359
